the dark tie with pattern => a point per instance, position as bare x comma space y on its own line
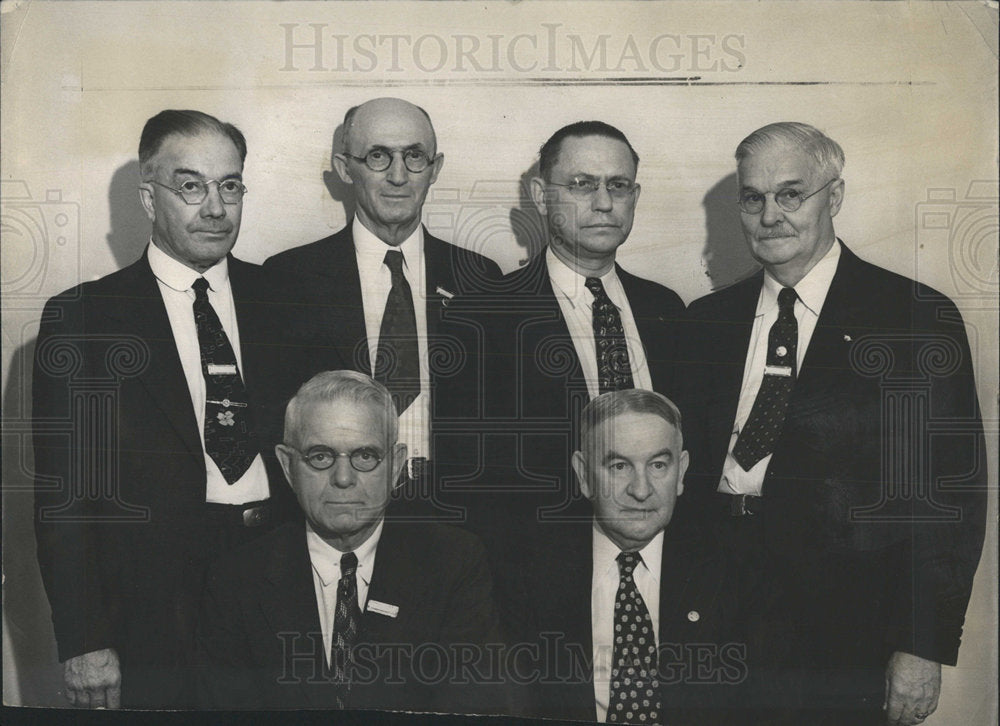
345, 627
614, 369
229, 433
767, 417
635, 688
397, 362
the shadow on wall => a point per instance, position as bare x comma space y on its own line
130, 227
30, 663
525, 221
725, 256
340, 190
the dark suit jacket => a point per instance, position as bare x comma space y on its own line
876, 490
120, 474
262, 644
326, 320
701, 661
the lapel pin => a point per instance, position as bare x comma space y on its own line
445, 294
847, 338
382, 608
222, 369
694, 616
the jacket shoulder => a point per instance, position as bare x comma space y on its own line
305, 256
664, 297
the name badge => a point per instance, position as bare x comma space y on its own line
224, 369
784, 371
382, 608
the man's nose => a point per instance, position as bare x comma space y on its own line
772, 213
639, 487
602, 201
398, 173
213, 206
342, 473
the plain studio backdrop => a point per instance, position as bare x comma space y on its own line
908, 89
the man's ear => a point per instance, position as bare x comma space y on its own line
682, 467
146, 198
398, 462
537, 187
580, 469
340, 164
836, 197
284, 455
436, 166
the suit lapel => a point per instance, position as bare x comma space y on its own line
396, 581
341, 287
438, 276
143, 313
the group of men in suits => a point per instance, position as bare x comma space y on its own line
815, 579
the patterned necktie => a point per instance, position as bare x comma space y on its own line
229, 433
397, 362
345, 627
635, 689
767, 417
614, 369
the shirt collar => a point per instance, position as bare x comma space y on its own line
325, 557
606, 554
811, 289
370, 250
572, 286
178, 276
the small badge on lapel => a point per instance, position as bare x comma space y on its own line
445, 294
694, 616
847, 338
382, 608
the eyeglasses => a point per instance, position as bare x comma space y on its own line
194, 191
379, 159
322, 458
788, 199
585, 186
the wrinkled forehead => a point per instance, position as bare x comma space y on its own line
320, 421
207, 152
632, 432
400, 128
595, 155
777, 164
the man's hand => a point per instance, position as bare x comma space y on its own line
93, 680
912, 687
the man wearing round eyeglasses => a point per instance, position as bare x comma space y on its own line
373, 294
350, 609
163, 468
838, 448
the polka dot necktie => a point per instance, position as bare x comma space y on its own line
229, 434
635, 697
397, 361
345, 627
614, 369
767, 417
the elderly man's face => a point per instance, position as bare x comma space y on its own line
389, 201
590, 226
632, 471
198, 235
343, 505
788, 244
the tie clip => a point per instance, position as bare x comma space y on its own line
783, 371
226, 403
383, 608
222, 369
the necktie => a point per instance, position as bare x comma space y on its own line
345, 626
635, 696
767, 417
229, 434
397, 364
614, 369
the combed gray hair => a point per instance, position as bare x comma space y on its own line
357, 388
632, 400
825, 151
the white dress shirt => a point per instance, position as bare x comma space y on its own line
812, 290
576, 303
376, 282
175, 280
325, 561
603, 589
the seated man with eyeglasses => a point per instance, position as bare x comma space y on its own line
149, 424
349, 608
569, 326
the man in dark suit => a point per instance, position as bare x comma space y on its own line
372, 296
835, 436
553, 335
349, 609
157, 369
632, 619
